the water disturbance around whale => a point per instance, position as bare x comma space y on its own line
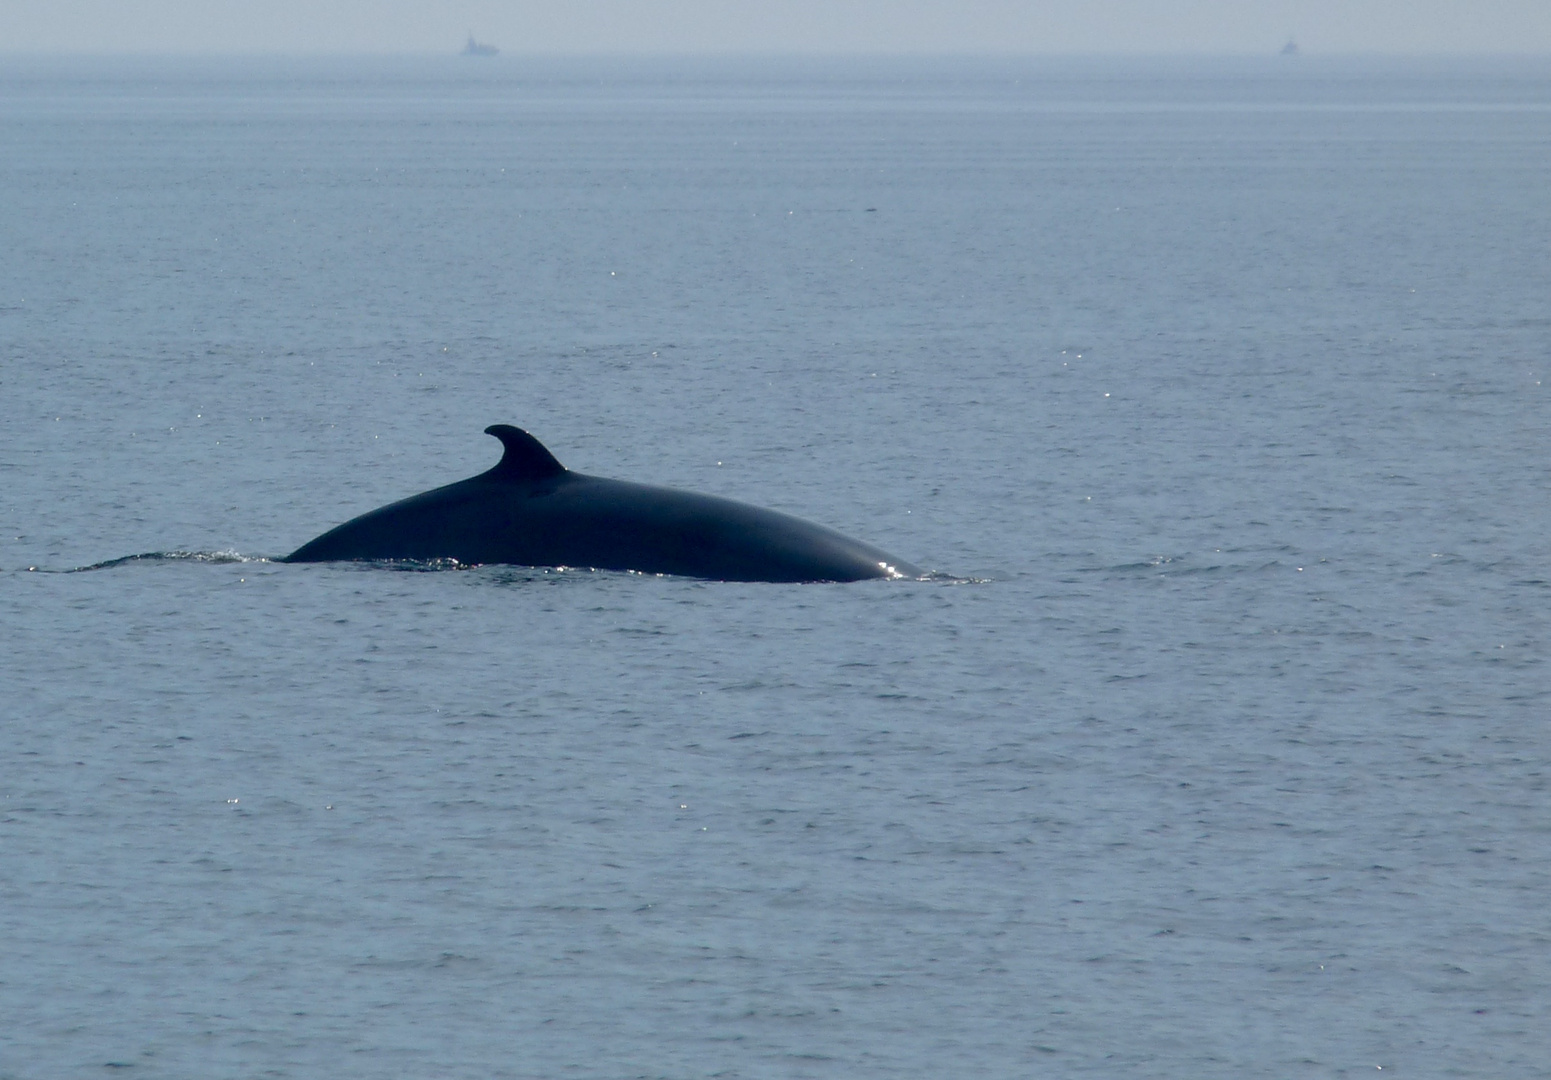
530, 510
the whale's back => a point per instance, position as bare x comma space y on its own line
531, 511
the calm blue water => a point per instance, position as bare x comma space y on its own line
1223, 380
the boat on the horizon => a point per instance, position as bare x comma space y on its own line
474, 48
1290, 49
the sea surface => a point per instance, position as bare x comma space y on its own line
1214, 392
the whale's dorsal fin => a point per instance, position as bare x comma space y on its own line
525, 457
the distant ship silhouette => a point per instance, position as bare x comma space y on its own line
474, 48
1290, 49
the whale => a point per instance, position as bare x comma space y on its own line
529, 510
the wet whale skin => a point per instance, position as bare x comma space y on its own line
531, 511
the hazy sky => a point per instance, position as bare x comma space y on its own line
784, 26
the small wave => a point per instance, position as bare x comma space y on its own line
506, 573
501, 572
407, 566
512, 573
218, 557
940, 577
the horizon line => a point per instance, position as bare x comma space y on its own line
773, 54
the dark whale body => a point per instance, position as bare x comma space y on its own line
532, 511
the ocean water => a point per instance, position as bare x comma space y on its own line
1213, 389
